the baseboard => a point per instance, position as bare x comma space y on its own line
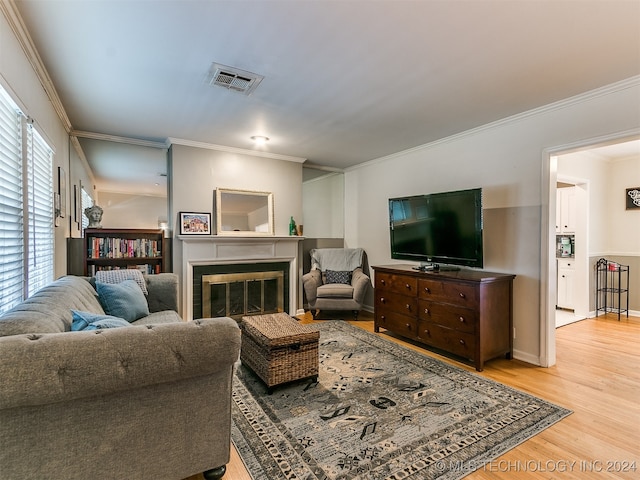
526, 357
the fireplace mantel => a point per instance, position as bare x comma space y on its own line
220, 250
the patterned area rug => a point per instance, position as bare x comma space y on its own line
379, 411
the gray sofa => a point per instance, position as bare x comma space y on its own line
152, 401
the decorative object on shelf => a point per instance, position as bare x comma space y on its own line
299, 230
94, 214
193, 223
243, 212
633, 198
292, 227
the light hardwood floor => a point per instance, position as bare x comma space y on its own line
597, 375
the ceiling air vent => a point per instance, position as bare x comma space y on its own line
233, 78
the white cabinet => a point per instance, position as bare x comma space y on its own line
566, 285
566, 210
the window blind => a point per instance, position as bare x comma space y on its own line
11, 206
26, 207
40, 205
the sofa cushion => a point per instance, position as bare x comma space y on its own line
166, 316
123, 300
95, 321
49, 309
335, 290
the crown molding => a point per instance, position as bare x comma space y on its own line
241, 151
119, 139
576, 99
10, 11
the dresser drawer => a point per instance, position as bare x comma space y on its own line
455, 293
451, 316
448, 339
396, 322
389, 282
398, 303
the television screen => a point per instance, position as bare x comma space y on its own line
438, 228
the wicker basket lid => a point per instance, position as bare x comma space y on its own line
278, 329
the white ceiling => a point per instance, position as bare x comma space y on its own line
345, 81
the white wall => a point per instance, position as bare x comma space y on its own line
506, 160
123, 210
625, 224
195, 173
323, 206
20, 80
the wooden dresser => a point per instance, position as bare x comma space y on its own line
467, 313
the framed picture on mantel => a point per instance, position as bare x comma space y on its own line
194, 223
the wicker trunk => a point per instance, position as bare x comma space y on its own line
279, 349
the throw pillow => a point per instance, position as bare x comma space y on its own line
95, 321
117, 276
332, 276
123, 300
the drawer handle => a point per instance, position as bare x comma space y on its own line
426, 311
461, 342
461, 295
408, 307
383, 318
382, 300
426, 289
407, 286
408, 326
427, 331
383, 282
462, 319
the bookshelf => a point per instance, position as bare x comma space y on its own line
111, 249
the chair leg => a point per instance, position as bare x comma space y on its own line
215, 473
316, 313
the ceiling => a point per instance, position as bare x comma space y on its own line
344, 81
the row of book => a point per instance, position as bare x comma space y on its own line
144, 268
105, 247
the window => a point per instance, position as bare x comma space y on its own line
87, 202
26, 207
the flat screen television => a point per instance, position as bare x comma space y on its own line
438, 228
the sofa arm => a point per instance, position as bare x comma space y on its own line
39, 369
311, 281
163, 291
360, 283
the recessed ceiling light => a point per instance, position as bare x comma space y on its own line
260, 139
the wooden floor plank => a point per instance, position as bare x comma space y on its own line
597, 375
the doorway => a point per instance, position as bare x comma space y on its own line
572, 244
548, 231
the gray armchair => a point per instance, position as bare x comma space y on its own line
336, 280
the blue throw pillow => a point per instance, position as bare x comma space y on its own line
332, 276
123, 300
95, 321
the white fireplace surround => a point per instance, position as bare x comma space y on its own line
221, 250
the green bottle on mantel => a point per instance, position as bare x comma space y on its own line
292, 227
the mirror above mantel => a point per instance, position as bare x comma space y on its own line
243, 212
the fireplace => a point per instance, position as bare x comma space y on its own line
237, 294
263, 275
236, 290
